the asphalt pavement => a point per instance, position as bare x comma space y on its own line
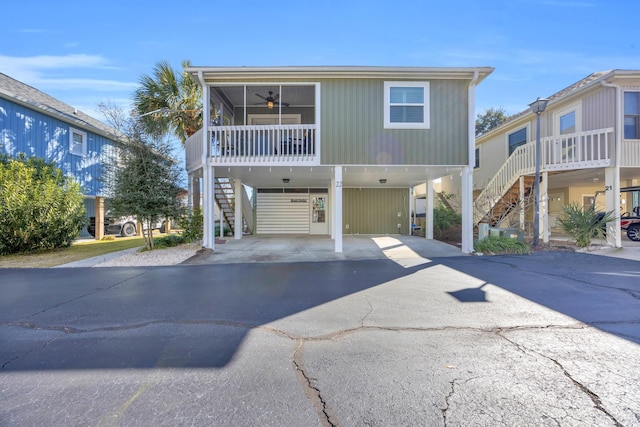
544, 339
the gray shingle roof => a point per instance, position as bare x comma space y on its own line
24, 94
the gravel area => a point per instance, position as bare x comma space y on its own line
158, 257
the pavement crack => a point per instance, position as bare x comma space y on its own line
452, 390
597, 402
26, 353
311, 390
368, 313
95, 291
72, 330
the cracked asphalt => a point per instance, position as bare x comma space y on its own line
545, 339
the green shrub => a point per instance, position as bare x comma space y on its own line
169, 241
446, 223
40, 207
500, 245
192, 226
583, 225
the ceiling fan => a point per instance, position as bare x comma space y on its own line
270, 101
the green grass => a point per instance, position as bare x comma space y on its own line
501, 245
80, 250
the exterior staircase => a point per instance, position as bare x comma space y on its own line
225, 198
582, 150
509, 201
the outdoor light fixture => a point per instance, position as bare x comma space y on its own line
270, 105
383, 181
285, 180
537, 107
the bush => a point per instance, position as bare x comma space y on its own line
584, 225
169, 241
446, 223
500, 245
40, 207
192, 226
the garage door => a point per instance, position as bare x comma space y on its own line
282, 211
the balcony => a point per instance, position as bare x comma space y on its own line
264, 144
273, 145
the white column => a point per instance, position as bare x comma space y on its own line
467, 171
237, 190
332, 197
544, 207
612, 199
208, 213
428, 220
467, 210
337, 208
522, 207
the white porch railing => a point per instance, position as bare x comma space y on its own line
271, 144
577, 150
193, 151
568, 152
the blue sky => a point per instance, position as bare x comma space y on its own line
85, 52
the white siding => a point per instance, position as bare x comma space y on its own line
282, 213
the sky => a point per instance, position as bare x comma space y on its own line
87, 52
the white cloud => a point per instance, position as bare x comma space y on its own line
34, 70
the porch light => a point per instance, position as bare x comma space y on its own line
537, 107
285, 180
383, 181
270, 105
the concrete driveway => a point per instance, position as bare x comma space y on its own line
546, 339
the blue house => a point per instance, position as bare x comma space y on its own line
37, 124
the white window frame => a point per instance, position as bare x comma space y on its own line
527, 129
83, 149
577, 109
425, 124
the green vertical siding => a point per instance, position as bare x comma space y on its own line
375, 210
353, 126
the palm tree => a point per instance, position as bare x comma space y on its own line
178, 95
180, 98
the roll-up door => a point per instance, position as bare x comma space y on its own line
278, 212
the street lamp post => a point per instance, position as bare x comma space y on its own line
537, 107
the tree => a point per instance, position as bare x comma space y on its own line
144, 175
490, 119
40, 207
178, 95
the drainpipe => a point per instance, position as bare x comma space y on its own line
613, 229
467, 171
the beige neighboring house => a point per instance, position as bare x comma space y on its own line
330, 151
590, 150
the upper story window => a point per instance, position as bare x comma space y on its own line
406, 105
517, 139
568, 123
632, 115
77, 142
477, 164
568, 120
